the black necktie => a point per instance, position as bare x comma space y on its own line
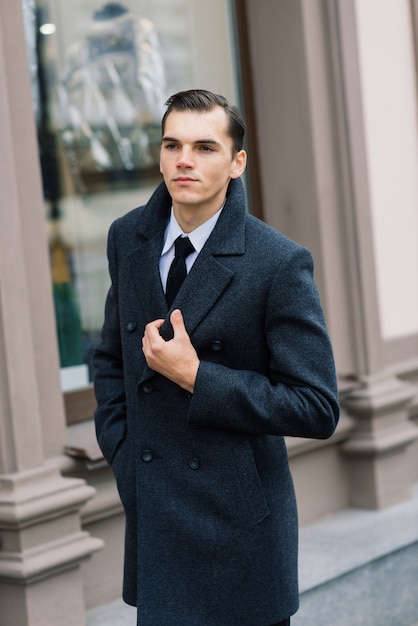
178, 270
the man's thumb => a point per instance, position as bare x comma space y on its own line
176, 319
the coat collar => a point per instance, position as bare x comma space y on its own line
228, 235
209, 276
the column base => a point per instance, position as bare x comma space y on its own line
41, 548
376, 451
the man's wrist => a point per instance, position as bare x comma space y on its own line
189, 383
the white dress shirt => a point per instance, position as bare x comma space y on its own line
198, 238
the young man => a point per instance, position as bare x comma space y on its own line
194, 397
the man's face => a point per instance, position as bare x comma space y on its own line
197, 160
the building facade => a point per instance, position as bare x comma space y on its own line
329, 91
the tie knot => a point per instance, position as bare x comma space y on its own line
183, 247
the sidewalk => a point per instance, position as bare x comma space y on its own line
116, 613
356, 566
119, 614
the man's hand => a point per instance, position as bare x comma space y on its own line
175, 359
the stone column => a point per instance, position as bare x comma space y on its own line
375, 453
41, 541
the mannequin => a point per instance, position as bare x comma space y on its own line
112, 90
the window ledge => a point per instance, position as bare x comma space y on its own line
82, 444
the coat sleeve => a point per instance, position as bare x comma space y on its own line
298, 395
109, 383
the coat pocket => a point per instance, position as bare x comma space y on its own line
250, 483
124, 473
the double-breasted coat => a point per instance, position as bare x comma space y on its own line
211, 520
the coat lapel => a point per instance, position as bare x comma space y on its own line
203, 286
147, 285
144, 259
208, 278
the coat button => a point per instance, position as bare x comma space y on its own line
130, 327
216, 346
194, 464
147, 456
147, 388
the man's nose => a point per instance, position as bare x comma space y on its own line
185, 158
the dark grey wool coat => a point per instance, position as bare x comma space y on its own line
211, 522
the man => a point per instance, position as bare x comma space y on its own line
194, 398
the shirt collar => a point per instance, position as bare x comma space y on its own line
198, 236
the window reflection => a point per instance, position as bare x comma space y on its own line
110, 97
100, 74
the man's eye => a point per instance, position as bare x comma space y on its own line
206, 148
170, 146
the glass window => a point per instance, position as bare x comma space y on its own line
100, 74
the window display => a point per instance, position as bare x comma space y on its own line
100, 75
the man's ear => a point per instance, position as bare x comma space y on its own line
238, 164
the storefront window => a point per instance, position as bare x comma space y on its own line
100, 74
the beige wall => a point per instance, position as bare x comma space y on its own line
389, 95
298, 161
338, 167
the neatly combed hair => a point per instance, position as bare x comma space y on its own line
202, 100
